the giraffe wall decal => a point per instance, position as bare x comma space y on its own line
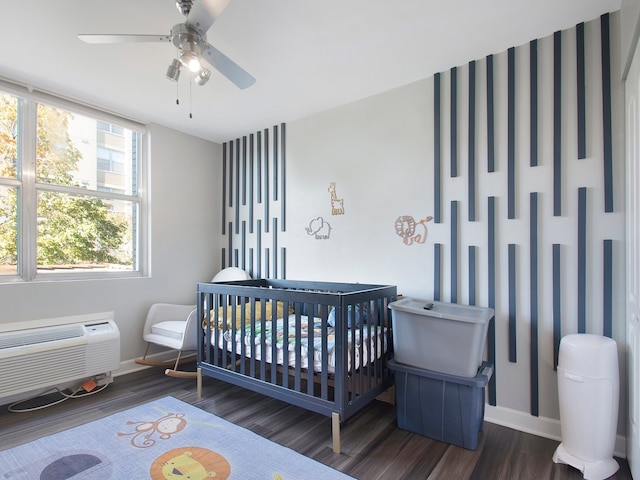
337, 204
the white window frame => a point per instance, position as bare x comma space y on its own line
26, 183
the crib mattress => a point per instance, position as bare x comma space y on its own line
359, 341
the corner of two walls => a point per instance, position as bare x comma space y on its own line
498, 183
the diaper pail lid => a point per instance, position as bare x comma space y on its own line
589, 355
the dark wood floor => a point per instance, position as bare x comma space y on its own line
373, 447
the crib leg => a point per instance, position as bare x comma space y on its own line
335, 428
199, 382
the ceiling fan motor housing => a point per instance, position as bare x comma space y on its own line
190, 44
184, 6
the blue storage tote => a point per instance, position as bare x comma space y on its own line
444, 407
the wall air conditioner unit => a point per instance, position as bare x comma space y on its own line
40, 354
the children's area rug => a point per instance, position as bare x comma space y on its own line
164, 439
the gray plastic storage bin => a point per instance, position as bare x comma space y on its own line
443, 337
444, 407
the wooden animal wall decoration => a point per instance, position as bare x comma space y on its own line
337, 204
406, 227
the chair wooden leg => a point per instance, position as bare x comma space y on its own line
151, 363
175, 367
164, 363
174, 372
180, 374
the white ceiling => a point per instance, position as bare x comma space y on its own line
307, 55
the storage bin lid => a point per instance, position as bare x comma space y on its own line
480, 380
449, 311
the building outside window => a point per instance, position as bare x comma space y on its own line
70, 198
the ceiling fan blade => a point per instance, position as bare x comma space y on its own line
99, 38
228, 67
204, 13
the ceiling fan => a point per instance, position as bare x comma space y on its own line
191, 41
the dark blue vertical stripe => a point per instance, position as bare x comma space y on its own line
490, 117
582, 260
436, 149
283, 263
557, 304
267, 263
235, 257
557, 124
274, 240
224, 188
223, 258
259, 166
276, 138
259, 249
237, 203
244, 245
472, 141
472, 274
606, 114
533, 272
230, 246
511, 132
512, 304
607, 294
231, 173
251, 180
266, 180
491, 280
283, 179
580, 77
454, 251
454, 122
244, 170
251, 267
533, 103
437, 267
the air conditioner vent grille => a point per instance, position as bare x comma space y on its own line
36, 336
36, 356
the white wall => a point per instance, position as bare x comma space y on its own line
380, 153
183, 247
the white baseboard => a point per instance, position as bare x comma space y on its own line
540, 426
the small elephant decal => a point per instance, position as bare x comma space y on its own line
320, 228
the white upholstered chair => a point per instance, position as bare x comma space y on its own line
175, 326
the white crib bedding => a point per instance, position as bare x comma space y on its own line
357, 349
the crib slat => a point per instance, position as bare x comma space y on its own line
324, 375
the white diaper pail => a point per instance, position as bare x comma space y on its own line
588, 389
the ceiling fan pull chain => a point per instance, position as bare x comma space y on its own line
190, 84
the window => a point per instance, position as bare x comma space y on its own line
70, 197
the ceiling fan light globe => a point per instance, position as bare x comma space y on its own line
202, 77
190, 54
194, 65
191, 61
173, 72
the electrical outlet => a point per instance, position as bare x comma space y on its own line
103, 379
